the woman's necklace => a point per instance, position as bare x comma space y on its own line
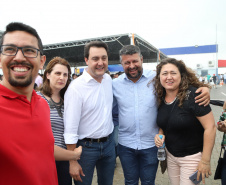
58, 106
170, 102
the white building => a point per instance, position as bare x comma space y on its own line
202, 59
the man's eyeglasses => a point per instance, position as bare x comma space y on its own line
28, 52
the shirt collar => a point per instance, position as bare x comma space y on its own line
4, 91
88, 77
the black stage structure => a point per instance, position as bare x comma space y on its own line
73, 51
1, 33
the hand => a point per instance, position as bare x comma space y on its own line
204, 97
221, 126
203, 169
75, 171
159, 142
78, 152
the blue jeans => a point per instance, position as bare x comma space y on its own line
101, 155
137, 164
64, 178
223, 172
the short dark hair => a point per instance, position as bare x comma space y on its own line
97, 44
46, 89
17, 26
129, 50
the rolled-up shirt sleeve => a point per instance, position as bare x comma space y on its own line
72, 114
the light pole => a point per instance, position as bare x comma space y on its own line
216, 54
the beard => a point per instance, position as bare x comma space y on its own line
139, 72
20, 81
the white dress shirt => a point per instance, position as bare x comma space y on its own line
88, 108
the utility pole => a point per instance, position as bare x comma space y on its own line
216, 53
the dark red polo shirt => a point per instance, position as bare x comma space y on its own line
26, 140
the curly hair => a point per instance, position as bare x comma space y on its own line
46, 89
188, 78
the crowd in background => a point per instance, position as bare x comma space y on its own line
213, 80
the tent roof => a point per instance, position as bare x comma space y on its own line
73, 51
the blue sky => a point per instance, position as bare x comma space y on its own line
162, 23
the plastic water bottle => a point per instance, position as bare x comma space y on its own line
161, 155
223, 118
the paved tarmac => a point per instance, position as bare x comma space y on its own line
162, 179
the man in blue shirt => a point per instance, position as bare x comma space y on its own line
136, 107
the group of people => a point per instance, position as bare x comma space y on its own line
116, 75
214, 80
67, 129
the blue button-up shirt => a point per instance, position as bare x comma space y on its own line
137, 110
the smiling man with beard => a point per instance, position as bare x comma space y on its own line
27, 143
19, 80
135, 106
